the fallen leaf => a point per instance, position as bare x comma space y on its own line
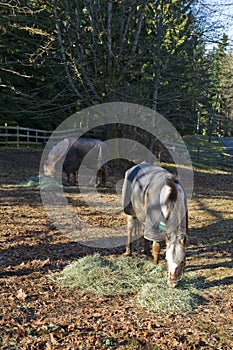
20, 294
53, 340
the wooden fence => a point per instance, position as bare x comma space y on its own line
205, 156
15, 136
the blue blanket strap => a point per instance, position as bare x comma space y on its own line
133, 173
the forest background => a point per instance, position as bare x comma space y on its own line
173, 56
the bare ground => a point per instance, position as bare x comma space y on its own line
36, 313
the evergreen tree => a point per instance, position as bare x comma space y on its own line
61, 56
226, 120
217, 59
33, 91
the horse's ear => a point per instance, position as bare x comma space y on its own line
183, 239
167, 239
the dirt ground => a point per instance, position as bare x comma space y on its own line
36, 313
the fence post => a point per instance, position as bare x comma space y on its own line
44, 138
27, 138
17, 136
6, 134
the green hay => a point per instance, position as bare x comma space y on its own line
44, 182
157, 297
122, 275
102, 276
33, 181
49, 183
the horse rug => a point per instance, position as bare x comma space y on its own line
141, 198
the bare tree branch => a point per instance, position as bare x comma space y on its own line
81, 58
109, 36
62, 50
125, 21
138, 31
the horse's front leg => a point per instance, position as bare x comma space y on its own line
130, 226
75, 178
155, 251
68, 178
101, 176
152, 253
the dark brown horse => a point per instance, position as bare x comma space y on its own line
155, 198
74, 153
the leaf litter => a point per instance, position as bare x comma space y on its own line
85, 321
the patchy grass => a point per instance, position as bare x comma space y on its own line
195, 141
121, 275
205, 153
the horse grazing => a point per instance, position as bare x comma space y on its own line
155, 198
73, 153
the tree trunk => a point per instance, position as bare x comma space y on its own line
63, 55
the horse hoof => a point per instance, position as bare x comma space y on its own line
151, 259
127, 254
172, 284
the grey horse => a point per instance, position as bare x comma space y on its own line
155, 198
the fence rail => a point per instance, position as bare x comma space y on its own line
203, 155
15, 136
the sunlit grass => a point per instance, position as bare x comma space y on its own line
195, 141
206, 154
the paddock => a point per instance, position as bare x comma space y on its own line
37, 313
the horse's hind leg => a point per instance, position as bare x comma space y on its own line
130, 226
155, 252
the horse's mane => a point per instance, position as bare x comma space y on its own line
174, 205
172, 196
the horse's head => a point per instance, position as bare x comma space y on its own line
174, 210
54, 156
175, 255
49, 169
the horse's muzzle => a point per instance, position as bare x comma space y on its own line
174, 278
173, 283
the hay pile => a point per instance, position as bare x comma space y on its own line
122, 275
43, 182
159, 297
101, 276
32, 181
